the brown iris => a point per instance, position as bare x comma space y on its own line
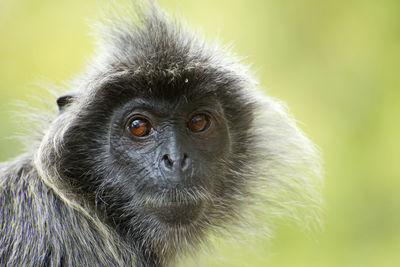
199, 123
140, 127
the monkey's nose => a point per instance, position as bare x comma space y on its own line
175, 163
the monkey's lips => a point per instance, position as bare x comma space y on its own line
180, 213
183, 205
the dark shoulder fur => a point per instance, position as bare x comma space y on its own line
37, 228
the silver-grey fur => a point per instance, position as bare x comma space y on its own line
45, 222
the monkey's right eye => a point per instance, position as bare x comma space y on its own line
140, 127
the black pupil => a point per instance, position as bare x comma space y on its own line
137, 123
197, 120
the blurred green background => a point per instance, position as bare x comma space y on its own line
335, 63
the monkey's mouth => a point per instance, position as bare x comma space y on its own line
180, 213
180, 205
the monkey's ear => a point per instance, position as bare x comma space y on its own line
65, 100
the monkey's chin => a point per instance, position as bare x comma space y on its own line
180, 213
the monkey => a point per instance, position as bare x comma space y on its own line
163, 139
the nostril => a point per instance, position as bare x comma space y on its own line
167, 160
172, 163
185, 162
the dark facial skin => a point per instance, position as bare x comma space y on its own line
172, 151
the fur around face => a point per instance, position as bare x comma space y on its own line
64, 203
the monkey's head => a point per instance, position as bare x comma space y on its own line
164, 138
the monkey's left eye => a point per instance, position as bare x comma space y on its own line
140, 127
199, 123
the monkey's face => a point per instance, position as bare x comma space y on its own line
159, 159
169, 156
154, 150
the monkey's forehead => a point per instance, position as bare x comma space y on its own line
166, 79
189, 85
161, 72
